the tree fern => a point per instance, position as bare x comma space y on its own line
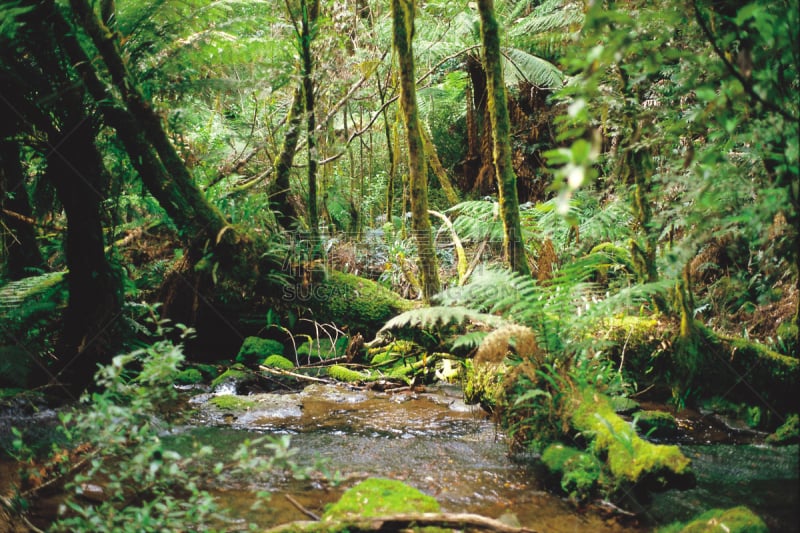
522, 66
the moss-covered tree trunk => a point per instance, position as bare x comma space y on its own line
285, 212
200, 224
513, 244
309, 17
390, 130
403, 26
19, 238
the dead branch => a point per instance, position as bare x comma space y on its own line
399, 522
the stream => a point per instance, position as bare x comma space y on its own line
454, 452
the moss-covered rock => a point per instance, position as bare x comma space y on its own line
360, 304
233, 375
342, 373
788, 432
278, 361
378, 497
255, 349
230, 402
735, 520
658, 424
483, 383
189, 376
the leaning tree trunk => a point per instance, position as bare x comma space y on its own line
513, 245
22, 253
201, 226
403, 25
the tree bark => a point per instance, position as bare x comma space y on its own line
91, 327
403, 26
309, 17
513, 245
285, 212
22, 252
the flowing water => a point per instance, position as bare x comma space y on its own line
436, 443
452, 451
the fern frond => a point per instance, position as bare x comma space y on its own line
438, 316
16, 293
524, 67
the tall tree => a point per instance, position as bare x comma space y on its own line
22, 253
513, 244
309, 13
403, 34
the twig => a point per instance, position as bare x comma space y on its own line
398, 522
281, 372
300, 508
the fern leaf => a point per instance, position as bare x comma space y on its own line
524, 67
17, 293
436, 316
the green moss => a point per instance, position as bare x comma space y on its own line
190, 376
342, 373
378, 497
735, 520
579, 472
656, 423
629, 457
483, 384
361, 304
255, 349
236, 373
230, 402
278, 361
788, 432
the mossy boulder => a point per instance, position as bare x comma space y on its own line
378, 497
735, 520
360, 304
278, 361
255, 349
189, 376
658, 424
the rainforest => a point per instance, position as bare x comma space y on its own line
356, 266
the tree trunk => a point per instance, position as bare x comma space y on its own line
199, 223
91, 328
309, 17
22, 253
285, 212
513, 245
403, 26
481, 140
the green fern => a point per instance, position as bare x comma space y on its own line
436, 316
522, 66
17, 293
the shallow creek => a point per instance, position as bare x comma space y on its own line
452, 451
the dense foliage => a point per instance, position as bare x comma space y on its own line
260, 167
